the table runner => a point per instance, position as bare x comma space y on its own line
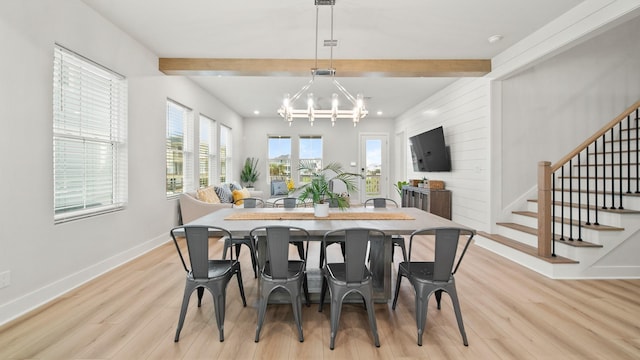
285, 215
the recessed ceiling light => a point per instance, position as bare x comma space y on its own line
256, 112
494, 38
379, 112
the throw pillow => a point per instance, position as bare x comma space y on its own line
239, 195
279, 187
208, 195
235, 186
224, 193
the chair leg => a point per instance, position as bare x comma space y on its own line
296, 304
323, 292
336, 309
438, 298
305, 288
219, 305
422, 300
239, 277
262, 309
395, 297
200, 293
456, 308
188, 289
372, 318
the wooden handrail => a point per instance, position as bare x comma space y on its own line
594, 137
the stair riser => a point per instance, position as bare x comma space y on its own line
603, 218
605, 157
603, 172
592, 236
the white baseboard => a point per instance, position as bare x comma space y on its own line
31, 301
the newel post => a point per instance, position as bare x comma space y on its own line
544, 209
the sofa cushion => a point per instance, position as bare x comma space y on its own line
234, 185
224, 193
279, 187
239, 195
208, 195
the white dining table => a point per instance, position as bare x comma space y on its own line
391, 221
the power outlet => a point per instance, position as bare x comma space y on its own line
5, 279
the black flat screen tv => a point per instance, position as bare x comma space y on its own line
429, 152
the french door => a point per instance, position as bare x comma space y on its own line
374, 166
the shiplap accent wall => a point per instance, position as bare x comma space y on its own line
463, 110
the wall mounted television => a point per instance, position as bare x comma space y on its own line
429, 151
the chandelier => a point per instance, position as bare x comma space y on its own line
288, 110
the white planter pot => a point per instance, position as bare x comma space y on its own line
321, 210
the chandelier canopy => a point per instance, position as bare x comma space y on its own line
357, 110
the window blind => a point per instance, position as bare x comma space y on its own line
207, 151
89, 137
180, 148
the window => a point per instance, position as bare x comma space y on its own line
89, 137
179, 149
207, 151
225, 154
279, 157
310, 152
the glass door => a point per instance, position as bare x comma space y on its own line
374, 166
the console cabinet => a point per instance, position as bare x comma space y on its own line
437, 202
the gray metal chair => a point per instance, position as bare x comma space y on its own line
396, 240
349, 276
333, 203
290, 203
437, 276
281, 272
247, 241
204, 273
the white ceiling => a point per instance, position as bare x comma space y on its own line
365, 29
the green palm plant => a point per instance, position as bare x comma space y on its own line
318, 189
249, 174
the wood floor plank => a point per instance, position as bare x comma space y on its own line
509, 312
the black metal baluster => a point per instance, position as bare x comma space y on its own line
637, 154
579, 200
571, 200
562, 203
620, 180
588, 190
629, 154
553, 215
613, 181
595, 192
604, 171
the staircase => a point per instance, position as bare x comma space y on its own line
584, 221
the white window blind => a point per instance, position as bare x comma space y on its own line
310, 152
89, 137
180, 157
226, 170
207, 151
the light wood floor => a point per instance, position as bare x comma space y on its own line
509, 313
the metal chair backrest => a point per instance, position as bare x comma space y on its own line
286, 202
446, 247
197, 239
380, 202
356, 248
250, 202
277, 246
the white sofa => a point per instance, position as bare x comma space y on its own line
191, 208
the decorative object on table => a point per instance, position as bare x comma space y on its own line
319, 189
249, 174
435, 185
414, 182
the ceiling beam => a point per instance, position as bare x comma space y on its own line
344, 68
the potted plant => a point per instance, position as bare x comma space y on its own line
318, 190
399, 185
249, 174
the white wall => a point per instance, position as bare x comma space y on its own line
340, 143
572, 94
462, 109
44, 259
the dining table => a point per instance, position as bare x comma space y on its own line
391, 221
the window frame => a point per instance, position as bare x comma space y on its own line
207, 153
184, 163
89, 137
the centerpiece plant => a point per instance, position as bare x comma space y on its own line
319, 190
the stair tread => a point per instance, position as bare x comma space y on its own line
532, 231
574, 222
529, 250
592, 207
